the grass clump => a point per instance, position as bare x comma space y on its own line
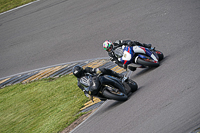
6, 5
40, 106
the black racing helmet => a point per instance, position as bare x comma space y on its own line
77, 71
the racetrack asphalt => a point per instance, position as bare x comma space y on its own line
51, 32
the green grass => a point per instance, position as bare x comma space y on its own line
44, 106
6, 5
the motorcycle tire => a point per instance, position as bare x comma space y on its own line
133, 85
147, 63
160, 54
110, 95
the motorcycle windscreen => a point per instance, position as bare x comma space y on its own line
128, 54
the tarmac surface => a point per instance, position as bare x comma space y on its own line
50, 32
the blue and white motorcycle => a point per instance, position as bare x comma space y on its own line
138, 56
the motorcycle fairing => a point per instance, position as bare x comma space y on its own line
109, 80
139, 49
142, 56
128, 54
142, 50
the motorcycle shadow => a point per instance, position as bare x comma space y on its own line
142, 72
111, 104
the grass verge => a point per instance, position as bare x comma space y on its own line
42, 106
6, 5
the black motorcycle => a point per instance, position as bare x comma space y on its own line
107, 87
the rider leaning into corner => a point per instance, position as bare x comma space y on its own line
79, 72
110, 48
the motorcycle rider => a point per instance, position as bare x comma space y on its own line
79, 72
110, 47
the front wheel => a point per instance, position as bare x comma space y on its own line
133, 85
119, 96
160, 54
147, 62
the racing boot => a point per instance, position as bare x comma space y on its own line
142, 44
132, 68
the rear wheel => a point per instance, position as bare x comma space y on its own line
114, 94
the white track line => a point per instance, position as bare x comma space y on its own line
19, 7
